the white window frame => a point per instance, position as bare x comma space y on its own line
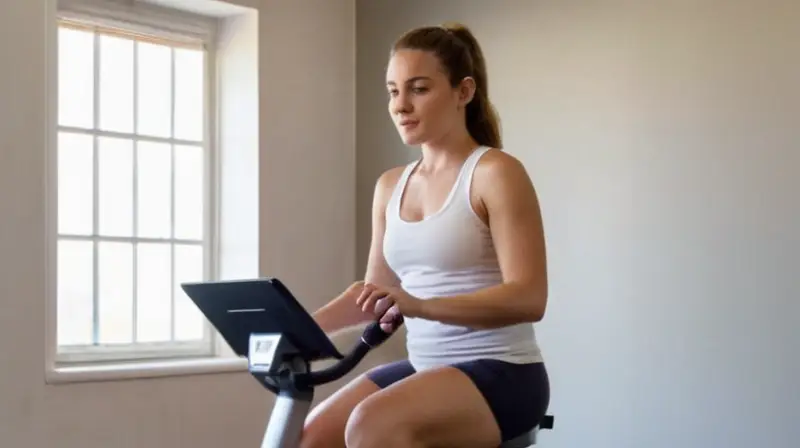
167, 24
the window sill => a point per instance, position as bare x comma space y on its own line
144, 369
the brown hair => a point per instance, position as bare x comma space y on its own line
459, 52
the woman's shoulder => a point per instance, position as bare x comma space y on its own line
389, 178
385, 185
500, 168
503, 189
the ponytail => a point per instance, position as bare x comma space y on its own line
460, 53
482, 120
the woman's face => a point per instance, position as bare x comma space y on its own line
423, 105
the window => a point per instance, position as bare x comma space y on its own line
134, 184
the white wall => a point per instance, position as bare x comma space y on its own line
668, 102
663, 139
307, 146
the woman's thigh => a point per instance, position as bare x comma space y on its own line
477, 404
432, 408
325, 424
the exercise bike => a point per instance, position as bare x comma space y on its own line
261, 320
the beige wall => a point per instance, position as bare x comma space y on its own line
307, 132
663, 139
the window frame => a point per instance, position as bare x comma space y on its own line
159, 23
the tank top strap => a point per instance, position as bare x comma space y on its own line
467, 171
394, 201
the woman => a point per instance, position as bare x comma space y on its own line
458, 251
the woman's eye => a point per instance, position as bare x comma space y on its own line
419, 90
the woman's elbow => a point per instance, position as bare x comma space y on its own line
536, 306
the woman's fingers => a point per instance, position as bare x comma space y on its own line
366, 290
383, 304
391, 314
368, 305
391, 320
378, 302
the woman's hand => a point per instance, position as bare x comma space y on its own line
389, 304
340, 313
354, 290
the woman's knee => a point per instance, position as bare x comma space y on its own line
375, 422
319, 433
325, 424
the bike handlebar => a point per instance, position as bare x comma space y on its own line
372, 337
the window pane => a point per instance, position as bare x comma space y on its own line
188, 268
115, 186
75, 78
115, 288
75, 184
153, 292
154, 74
189, 192
189, 80
75, 292
116, 84
154, 164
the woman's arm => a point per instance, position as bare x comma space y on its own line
378, 271
510, 200
339, 314
343, 312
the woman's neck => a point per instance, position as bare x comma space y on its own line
450, 150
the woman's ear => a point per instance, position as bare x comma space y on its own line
466, 91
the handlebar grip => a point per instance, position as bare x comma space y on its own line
374, 335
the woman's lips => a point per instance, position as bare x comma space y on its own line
409, 124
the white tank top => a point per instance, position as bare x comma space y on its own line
450, 252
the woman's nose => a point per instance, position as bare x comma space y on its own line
401, 104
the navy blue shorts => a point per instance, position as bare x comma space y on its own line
518, 394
